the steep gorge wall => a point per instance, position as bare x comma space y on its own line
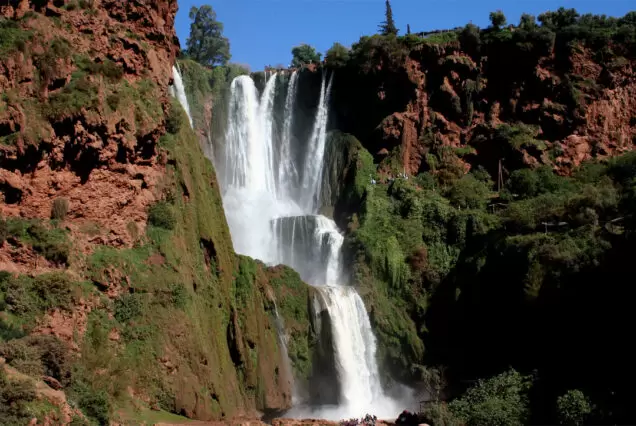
406, 103
114, 240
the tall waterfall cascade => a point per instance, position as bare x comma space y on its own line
271, 185
178, 91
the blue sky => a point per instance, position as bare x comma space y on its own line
263, 32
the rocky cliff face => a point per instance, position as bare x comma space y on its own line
411, 103
115, 255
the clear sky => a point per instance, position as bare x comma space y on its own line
263, 32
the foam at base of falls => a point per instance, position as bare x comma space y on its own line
355, 350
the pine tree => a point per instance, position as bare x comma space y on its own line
388, 26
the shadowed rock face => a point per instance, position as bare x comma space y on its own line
440, 95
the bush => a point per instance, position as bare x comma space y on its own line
59, 48
12, 37
127, 308
469, 193
77, 95
109, 69
179, 295
14, 399
96, 406
175, 118
573, 408
162, 215
51, 243
36, 355
33, 296
498, 401
438, 414
59, 209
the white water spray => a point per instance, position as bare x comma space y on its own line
272, 204
312, 172
287, 172
179, 92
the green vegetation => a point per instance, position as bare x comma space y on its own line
79, 94
388, 26
50, 242
292, 298
162, 215
498, 19
38, 355
109, 69
337, 56
15, 397
442, 259
209, 88
28, 298
206, 43
574, 408
12, 37
500, 401
304, 54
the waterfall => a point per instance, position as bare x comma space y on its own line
272, 198
179, 92
287, 173
312, 173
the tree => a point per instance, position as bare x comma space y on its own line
206, 43
304, 54
408, 29
574, 407
498, 401
337, 56
498, 19
470, 40
560, 19
388, 26
528, 22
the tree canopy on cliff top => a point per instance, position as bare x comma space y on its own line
304, 54
206, 43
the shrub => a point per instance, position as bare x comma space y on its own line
52, 244
498, 401
438, 414
36, 355
59, 209
77, 95
469, 193
127, 308
14, 399
573, 408
162, 215
96, 406
12, 37
32, 296
179, 295
59, 48
175, 118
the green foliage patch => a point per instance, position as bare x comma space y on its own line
52, 243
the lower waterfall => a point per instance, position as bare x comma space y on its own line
271, 199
